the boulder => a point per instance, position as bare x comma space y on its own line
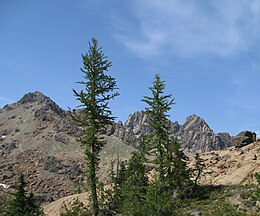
244, 138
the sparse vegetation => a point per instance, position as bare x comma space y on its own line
77, 209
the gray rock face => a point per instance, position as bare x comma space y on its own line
122, 132
226, 138
244, 138
137, 123
32, 97
52, 164
195, 134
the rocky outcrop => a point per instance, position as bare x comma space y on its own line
226, 138
138, 124
231, 165
120, 131
34, 135
195, 134
244, 138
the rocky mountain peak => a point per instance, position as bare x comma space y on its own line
32, 97
40, 99
137, 123
195, 134
194, 122
136, 118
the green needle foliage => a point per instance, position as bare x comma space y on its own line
158, 106
170, 161
178, 175
23, 204
257, 194
99, 89
131, 186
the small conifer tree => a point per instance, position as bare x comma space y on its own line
179, 174
257, 194
131, 186
23, 204
198, 168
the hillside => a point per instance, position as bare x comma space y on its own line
38, 139
231, 167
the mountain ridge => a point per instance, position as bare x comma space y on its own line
195, 134
39, 140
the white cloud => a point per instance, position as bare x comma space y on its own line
188, 28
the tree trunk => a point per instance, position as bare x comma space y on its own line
93, 188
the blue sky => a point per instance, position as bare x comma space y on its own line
208, 52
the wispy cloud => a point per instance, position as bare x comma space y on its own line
189, 28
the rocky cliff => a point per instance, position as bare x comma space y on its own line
195, 134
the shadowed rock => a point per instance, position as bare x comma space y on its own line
244, 138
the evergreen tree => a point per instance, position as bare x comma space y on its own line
22, 204
170, 160
131, 186
158, 201
179, 174
136, 171
121, 173
99, 89
198, 168
158, 106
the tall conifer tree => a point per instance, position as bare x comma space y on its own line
170, 160
99, 89
158, 107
